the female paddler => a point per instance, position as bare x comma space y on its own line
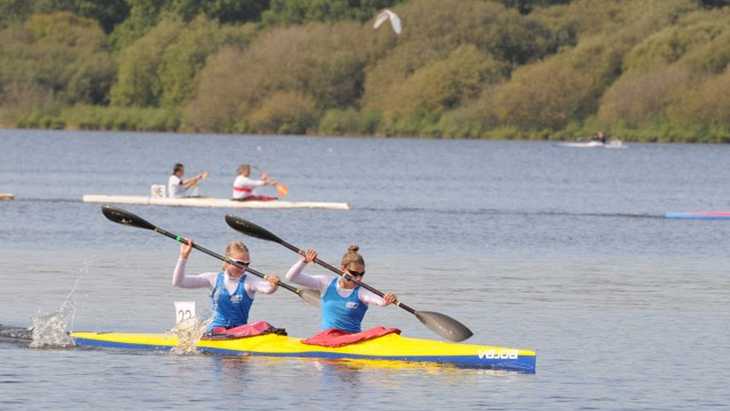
232, 290
244, 185
343, 302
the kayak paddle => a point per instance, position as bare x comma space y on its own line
441, 324
124, 217
281, 189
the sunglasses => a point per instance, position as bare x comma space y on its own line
240, 262
356, 273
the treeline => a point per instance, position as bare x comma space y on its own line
646, 70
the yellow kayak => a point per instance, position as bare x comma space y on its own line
391, 347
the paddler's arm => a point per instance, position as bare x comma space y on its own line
371, 299
246, 183
267, 180
296, 275
267, 286
195, 180
256, 183
179, 279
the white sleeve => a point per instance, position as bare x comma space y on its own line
317, 282
242, 181
179, 279
256, 183
369, 298
257, 285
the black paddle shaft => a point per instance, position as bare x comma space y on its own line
124, 217
223, 258
441, 324
255, 230
346, 276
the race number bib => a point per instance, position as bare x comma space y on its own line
184, 310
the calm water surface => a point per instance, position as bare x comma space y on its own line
532, 245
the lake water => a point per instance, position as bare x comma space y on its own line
530, 244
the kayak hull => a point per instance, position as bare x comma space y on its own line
209, 202
391, 347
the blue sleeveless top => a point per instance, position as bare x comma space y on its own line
343, 313
229, 310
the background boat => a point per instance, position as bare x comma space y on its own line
594, 144
208, 202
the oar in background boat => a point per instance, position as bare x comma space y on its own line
441, 324
124, 217
281, 189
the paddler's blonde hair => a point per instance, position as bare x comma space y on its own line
235, 245
243, 167
352, 257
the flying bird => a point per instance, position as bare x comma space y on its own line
388, 15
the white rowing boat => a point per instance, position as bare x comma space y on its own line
594, 144
208, 202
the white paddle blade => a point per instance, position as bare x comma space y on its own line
310, 296
386, 15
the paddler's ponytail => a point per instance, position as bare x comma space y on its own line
352, 257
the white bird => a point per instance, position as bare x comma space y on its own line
388, 15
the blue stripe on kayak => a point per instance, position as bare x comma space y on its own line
524, 364
695, 216
84, 342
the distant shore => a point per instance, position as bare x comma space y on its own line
665, 135
639, 70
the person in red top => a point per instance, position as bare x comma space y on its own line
244, 186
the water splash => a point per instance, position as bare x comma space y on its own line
188, 333
50, 330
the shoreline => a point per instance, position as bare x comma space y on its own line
542, 136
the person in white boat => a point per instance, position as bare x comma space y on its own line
600, 137
244, 185
178, 187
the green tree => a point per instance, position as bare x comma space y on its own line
444, 84
184, 57
324, 62
715, 3
435, 28
224, 11
526, 6
108, 13
639, 98
138, 82
143, 16
59, 54
284, 113
14, 11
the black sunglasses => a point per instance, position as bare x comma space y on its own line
239, 262
356, 273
